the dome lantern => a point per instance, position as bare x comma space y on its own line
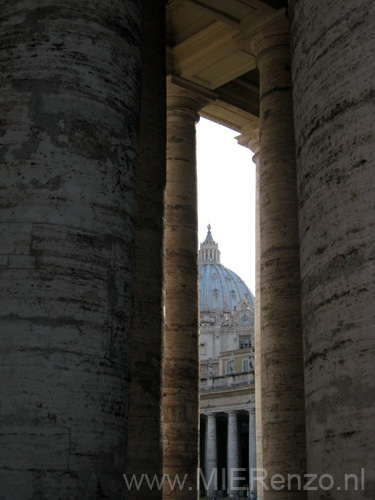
209, 252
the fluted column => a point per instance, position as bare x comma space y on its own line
211, 453
232, 452
282, 390
181, 344
333, 50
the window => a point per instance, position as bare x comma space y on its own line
245, 365
244, 341
203, 348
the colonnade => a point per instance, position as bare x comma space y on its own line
71, 167
233, 461
283, 223
280, 386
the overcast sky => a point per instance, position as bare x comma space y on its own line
226, 197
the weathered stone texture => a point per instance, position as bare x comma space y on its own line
333, 75
68, 133
281, 363
250, 139
257, 332
181, 358
181, 342
144, 443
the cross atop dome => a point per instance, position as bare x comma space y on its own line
209, 252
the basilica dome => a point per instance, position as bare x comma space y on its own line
219, 287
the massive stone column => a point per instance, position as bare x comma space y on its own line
144, 430
69, 101
250, 140
211, 454
232, 453
333, 49
282, 390
181, 343
252, 449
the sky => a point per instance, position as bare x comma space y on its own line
226, 197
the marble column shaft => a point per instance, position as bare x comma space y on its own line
252, 448
282, 390
211, 453
250, 140
144, 428
69, 101
232, 451
333, 50
181, 342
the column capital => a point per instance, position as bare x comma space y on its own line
231, 412
250, 139
186, 97
209, 414
272, 32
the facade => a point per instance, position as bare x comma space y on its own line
98, 248
227, 400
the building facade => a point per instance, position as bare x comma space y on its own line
227, 399
98, 248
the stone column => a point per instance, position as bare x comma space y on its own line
211, 454
252, 449
250, 140
144, 428
181, 343
282, 390
69, 100
333, 50
232, 452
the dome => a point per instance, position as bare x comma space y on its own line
219, 287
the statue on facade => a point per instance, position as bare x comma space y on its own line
251, 362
